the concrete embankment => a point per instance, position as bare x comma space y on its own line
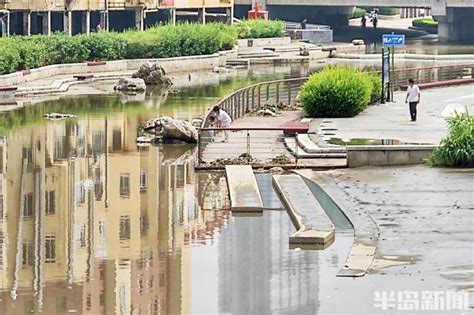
171, 65
311, 222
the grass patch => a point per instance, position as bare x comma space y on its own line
457, 149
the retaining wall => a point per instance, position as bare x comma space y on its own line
171, 65
259, 42
380, 155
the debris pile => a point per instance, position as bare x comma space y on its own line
274, 109
58, 116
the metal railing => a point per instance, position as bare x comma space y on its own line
253, 97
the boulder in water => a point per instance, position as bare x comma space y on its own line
172, 129
130, 85
153, 74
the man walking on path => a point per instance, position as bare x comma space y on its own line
224, 121
413, 98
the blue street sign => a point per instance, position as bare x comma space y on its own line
393, 39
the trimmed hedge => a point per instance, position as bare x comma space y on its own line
19, 52
260, 28
457, 149
185, 39
339, 91
425, 23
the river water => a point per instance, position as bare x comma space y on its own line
91, 223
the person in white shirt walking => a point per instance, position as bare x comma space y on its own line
413, 98
224, 120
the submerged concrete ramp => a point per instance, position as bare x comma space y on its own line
313, 225
243, 189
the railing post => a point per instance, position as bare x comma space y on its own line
253, 97
199, 148
258, 95
289, 93
277, 93
268, 93
296, 148
248, 146
247, 100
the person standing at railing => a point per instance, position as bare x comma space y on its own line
413, 97
223, 120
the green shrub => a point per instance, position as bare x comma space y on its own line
336, 91
358, 13
103, 45
376, 81
33, 52
425, 23
62, 48
157, 42
9, 57
457, 149
260, 28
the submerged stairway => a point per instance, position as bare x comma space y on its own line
314, 229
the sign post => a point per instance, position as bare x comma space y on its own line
391, 41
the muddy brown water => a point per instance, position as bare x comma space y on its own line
92, 223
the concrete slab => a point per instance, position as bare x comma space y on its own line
312, 223
243, 189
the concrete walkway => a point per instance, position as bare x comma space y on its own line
392, 120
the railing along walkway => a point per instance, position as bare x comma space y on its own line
266, 143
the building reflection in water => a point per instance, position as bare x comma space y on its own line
91, 224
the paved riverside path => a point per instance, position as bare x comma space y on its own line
243, 188
310, 220
392, 120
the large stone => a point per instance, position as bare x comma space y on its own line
131, 85
153, 74
172, 129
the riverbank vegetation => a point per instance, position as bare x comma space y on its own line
340, 91
185, 39
457, 149
260, 28
428, 23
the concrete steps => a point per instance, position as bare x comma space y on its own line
314, 228
295, 149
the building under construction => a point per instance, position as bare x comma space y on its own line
26, 17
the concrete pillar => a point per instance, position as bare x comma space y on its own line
139, 19
173, 16
68, 22
104, 20
86, 22
27, 23
47, 23
229, 15
202, 15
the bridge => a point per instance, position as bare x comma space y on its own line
454, 16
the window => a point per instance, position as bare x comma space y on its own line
80, 193
50, 249
27, 154
124, 231
28, 205
116, 139
124, 185
50, 201
88, 302
144, 224
28, 254
82, 235
143, 180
